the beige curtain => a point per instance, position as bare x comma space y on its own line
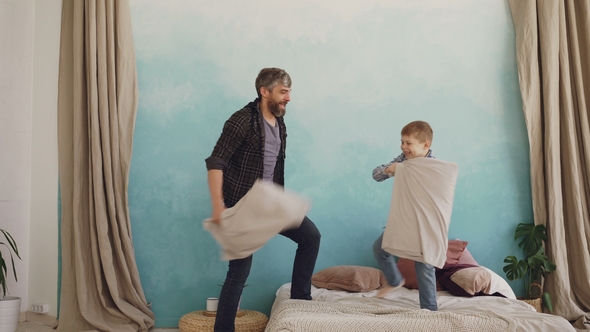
97, 103
553, 44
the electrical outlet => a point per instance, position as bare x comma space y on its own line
40, 308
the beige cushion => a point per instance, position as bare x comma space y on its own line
420, 211
349, 278
473, 280
408, 270
266, 210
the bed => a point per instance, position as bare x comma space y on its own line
333, 310
345, 301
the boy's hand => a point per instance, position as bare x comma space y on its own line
390, 170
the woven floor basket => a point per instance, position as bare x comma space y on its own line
251, 321
537, 303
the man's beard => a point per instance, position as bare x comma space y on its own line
275, 108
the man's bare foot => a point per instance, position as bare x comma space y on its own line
388, 289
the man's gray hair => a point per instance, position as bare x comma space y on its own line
271, 77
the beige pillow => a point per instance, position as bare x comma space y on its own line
473, 280
420, 210
407, 266
266, 210
349, 278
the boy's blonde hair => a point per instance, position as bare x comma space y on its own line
419, 129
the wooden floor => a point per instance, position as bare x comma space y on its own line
39, 327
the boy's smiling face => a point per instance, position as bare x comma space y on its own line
412, 148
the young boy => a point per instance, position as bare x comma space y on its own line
415, 143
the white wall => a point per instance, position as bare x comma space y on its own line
43, 245
29, 50
16, 72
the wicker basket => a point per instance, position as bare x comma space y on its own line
197, 321
535, 290
537, 303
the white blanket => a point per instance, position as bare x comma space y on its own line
508, 309
306, 316
266, 210
420, 212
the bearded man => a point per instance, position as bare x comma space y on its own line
251, 147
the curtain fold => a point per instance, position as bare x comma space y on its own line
97, 104
552, 45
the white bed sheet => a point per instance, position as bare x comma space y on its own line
527, 318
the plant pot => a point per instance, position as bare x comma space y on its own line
535, 290
9, 311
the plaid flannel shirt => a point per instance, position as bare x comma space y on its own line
239, 153
379, 174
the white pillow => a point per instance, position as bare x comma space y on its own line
266, 210
499, 285
420, 211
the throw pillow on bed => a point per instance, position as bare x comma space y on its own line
465, 279
467, 258
349, 278
473, 280
455, 252
408, 271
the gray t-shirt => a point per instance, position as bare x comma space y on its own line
272, 145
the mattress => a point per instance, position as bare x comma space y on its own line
332, 310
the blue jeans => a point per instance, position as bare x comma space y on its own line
307, 237
425, 274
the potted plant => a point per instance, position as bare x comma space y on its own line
535, 266
9, 305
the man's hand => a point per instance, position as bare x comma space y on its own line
215, 179
216, 213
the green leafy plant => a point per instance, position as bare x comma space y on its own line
535, 266
12, 247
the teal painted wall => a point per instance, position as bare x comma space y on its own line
361, 71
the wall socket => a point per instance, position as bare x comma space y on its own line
40, 308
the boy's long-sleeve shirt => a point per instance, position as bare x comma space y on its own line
379, 172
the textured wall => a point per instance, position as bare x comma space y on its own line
360, 72
16, 68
